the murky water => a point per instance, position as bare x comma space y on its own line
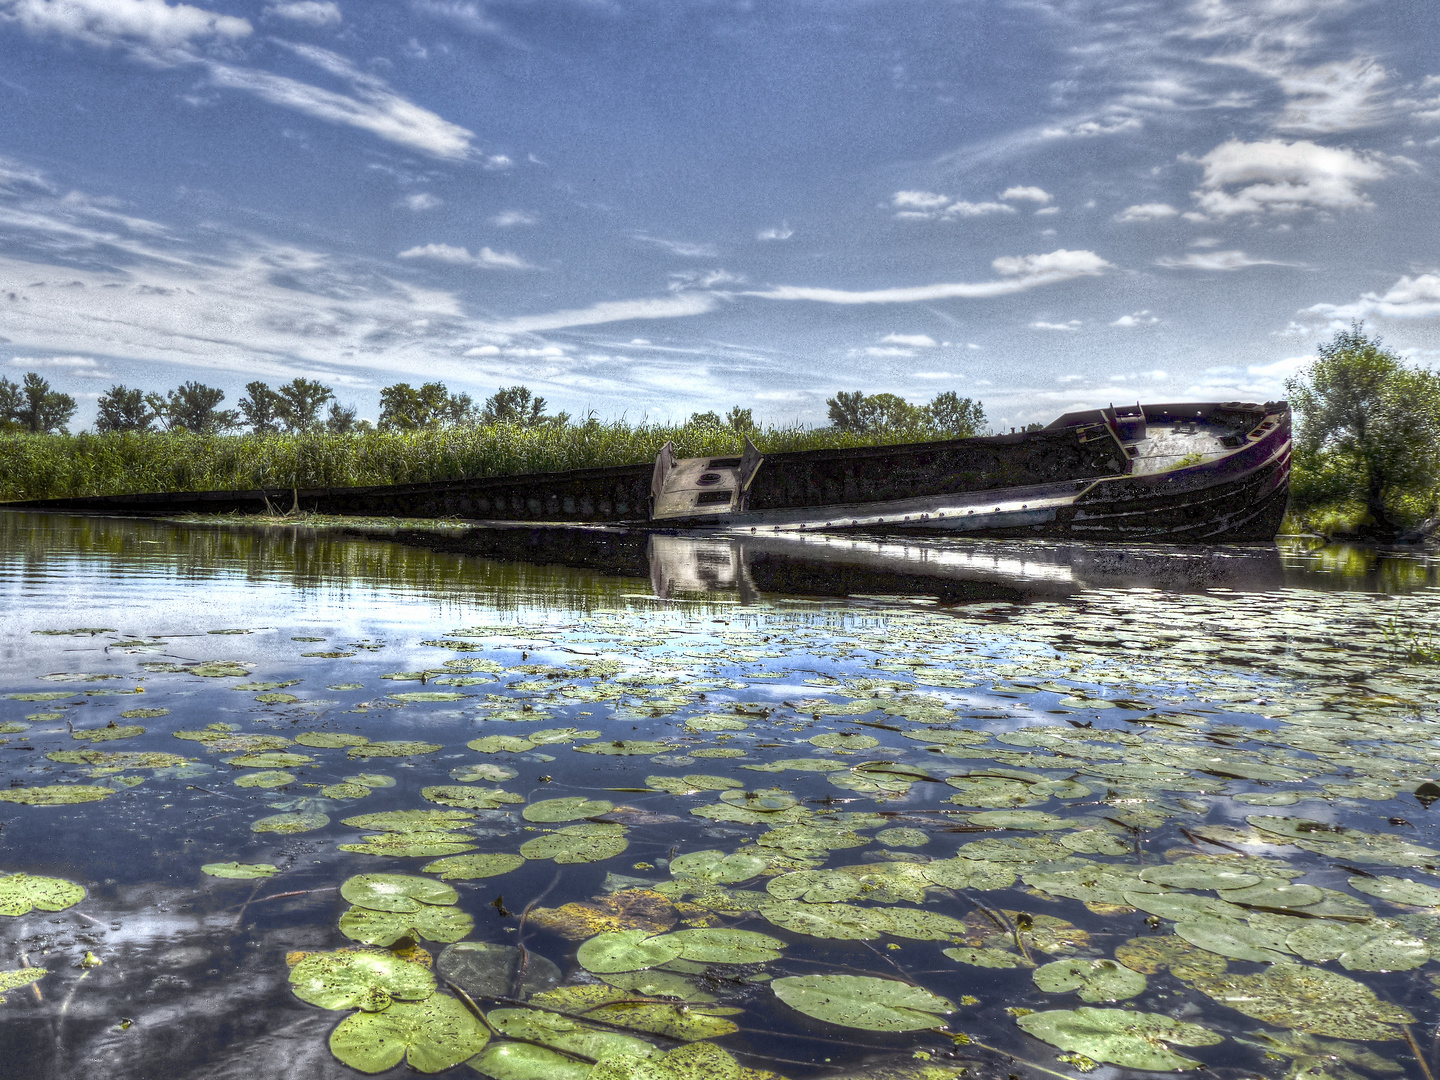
1153, 808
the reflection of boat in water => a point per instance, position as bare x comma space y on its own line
1182, 473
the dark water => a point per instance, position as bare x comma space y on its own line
1135, 706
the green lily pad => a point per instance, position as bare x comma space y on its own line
20, 893
503, 1059
623, 747
798, 765
1236, 940
551, 736
396, 892
987, 958
1198, 874
722, 945
495, 744
411, 845
903, 837
13, 980
220, 669
969, 873
276, 698
470, 798
698, 1061
1091, 980
144, 714
1134, 1040
430, 1035
1398, 890
1274, 892
675, 1020
557, 1032
55, 794
485, 970
359, 979
863, 1001
269, 761
589, 842
344, 791
841, 922
717, 867
1311, 999
472, 867
43, 695
836, 740
428, 695
1378, 945
266, 779
434, 923
1020, 819
571, 808
392, 749
768, 801
329, 740
109, 733
371, 780
239, 870
290, 823
814, 886
626, 950
403, 821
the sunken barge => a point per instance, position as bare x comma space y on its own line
1190, 472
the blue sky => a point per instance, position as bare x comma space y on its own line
653, 208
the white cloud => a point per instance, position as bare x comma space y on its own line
1256, 382
1027, 194
1154, 376
918, 200
1089, 129
784, 232
1333, 97
310, 12
1139, 318
961, 208
1215, 260
152, 23
683, 248
918, 341
927, 206
1020, 272
1154, 211
459, 256
703, 279
1073, 324
1045, 211
511, 218
79, 366
1070, 379
1409, 298
933, 375
1284, 177
670, 307
888, 350
421, 200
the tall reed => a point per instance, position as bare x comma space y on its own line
115, 463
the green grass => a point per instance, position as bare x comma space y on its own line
57, 466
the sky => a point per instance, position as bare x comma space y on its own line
647, 208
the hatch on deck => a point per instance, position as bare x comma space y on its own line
701, 487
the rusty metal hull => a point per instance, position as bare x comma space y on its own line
1088, 476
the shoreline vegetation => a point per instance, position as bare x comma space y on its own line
1366, 462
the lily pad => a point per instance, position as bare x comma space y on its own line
836, 740
1134, 1040
863, 1001
411, 845
485, 970
1311, 999
239, 870
1233, 939
13, 980
675, 1020
109, 733
470, 798
392, 749
267, 779
1274, 892
1150, 955
434, 923
717, 867
344, 791
589, 842
504, 1059
359, 979
571, 808
722, 945
269, 761
495, 744
20, 893
1378, 945
1198, 874
623, 747
55, 794
430, 1035
768, 801
986, 958
396, 892
220, 669
1091, 980
563, 1033
417, 696
626, 950
1398, 890
472, 867
290, 823
329, 740
371, 780
814, 886
403, 821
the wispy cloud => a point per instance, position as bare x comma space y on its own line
1019, 273
510, 218
485, 258
783, 232
1409, 298
1138, 318
149, 23
316, 13
1027, 194
1279, 177
929, 206
1073, 324
684, 248
421, 200
916, 341
84, 367
1215, 260
667, 307
1147, 212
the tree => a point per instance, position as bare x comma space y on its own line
191, 407
958, 417
298, 403
261, 408
705, 420
513, 405
124, 409
404, 408
740, 420
32, 406
341, 420
1368, 433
